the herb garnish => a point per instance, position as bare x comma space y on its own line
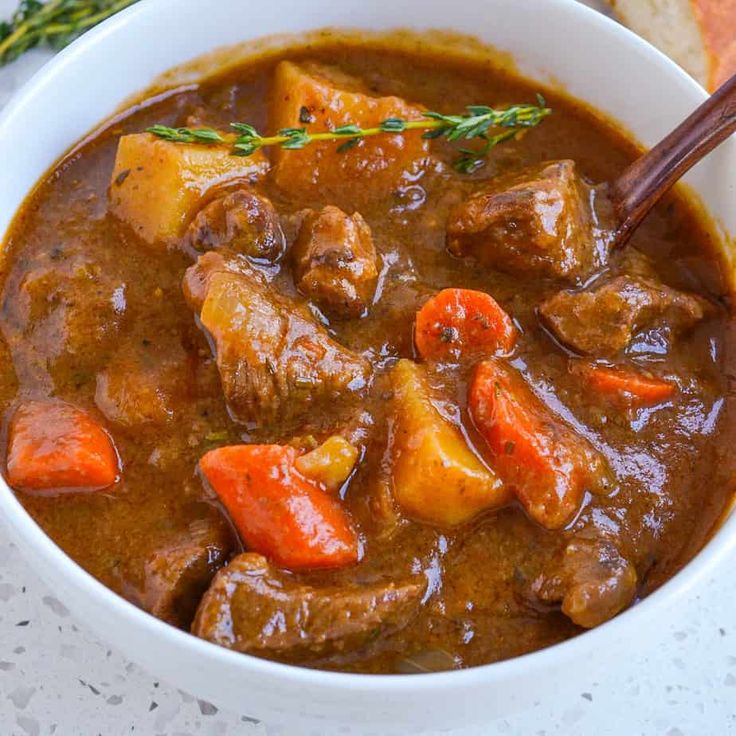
477, 122
55, 23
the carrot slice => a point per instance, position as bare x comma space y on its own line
459, 321
53, 445
278, 512
548, 465
624, 385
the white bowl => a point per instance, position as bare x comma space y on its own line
595, 60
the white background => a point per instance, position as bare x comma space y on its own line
56, 677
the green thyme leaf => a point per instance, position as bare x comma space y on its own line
479, 122
348, 130
54, 23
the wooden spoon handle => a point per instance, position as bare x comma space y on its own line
641, 185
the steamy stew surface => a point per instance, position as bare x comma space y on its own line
357, 410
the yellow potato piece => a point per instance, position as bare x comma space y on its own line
321, 98
435, 475
330, 464
157, 185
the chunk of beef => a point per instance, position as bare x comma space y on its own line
243, 222
178, 578
145, 384
176, 575
603, 320
63, 313
335, 262
537, 223
275, 361
253, 607
592, 581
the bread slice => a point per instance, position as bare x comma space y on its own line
700, 35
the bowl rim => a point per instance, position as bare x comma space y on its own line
718, 546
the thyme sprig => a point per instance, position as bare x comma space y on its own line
54, 23
477, 122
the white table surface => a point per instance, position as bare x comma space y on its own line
56, 677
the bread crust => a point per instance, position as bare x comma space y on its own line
700, 35
717, 20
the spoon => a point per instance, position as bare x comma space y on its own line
644, 182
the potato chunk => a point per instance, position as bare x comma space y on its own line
434, 474
329, 464
321, 98
157, 185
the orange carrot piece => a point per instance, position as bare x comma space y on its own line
548, 466
53, 445
624, 385
278, 512
455, 322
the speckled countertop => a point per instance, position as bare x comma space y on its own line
56, 677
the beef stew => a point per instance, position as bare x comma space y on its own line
358, 410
